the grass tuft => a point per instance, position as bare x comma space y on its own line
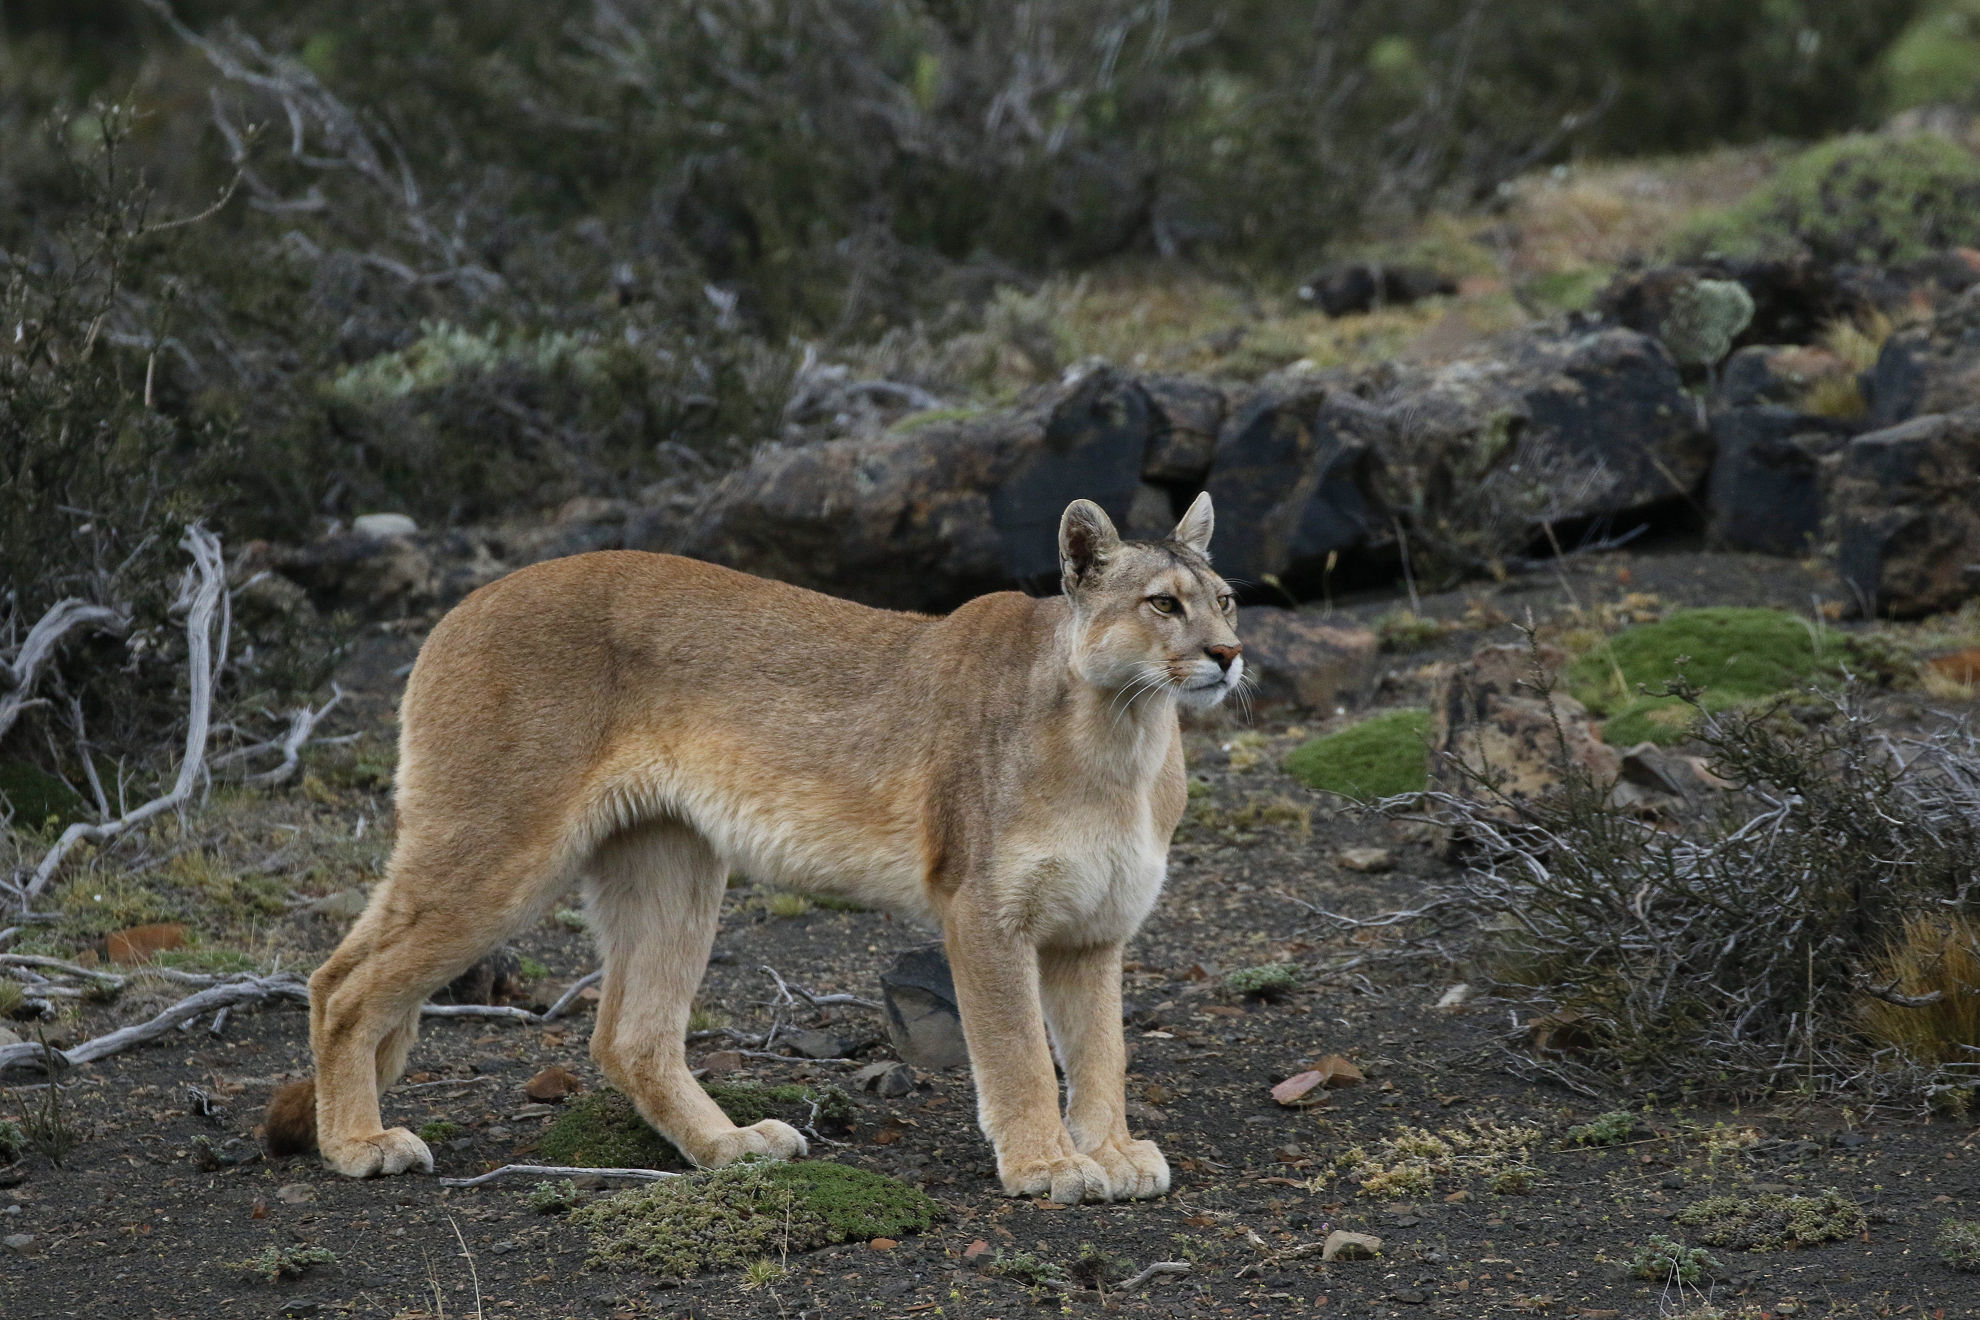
1933, 954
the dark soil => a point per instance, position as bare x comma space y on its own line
130, 1225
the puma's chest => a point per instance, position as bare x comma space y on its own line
1088, 882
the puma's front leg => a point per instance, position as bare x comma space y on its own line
1017, 1095
1082, 992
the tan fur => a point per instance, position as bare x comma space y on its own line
638, 724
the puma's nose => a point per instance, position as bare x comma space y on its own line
1223, 655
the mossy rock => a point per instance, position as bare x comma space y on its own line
1380, 757
1736, 654
603, 1130
727, 1218
1774, 1221
1861, 198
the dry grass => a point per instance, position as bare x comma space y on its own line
1933, 955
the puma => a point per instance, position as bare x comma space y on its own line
639, 724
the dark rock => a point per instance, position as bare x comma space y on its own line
1344, 288
1774, 373
1344, 514
1766, 487
927, 518
1907, 501
889, 1079
1793, 300
1183, 437
1299, 659
1927, 368
1268, 465
922, 1018
810, 1044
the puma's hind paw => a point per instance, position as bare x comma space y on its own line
394, 1150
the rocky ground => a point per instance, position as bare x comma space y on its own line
164, 1201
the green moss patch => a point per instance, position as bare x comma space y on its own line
1862, 198
1379, 757
727, 1218
1774, 1221
1735, 654
602, 1130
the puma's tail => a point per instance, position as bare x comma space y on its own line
289, 1127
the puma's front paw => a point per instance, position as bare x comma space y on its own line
779, 1141
1135, 1169
394, 1150
1067, 1179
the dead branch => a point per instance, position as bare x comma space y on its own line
1176, 1267
245, 990
302, 726
24, 671
513, 1014
557, 1171
204, 593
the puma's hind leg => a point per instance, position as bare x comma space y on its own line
654, 893
419, 932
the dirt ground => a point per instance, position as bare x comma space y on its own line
132, 1225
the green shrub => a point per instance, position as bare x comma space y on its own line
553, 1198
1267, 981
1027, 1268
434, 1131
1383, 756
1861, 198
1735, 654
1664, 1258
274, 1263
729, 1218
12, 1141
1773, 1221
1610, 1129
1958, 1244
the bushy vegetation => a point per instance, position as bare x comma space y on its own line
729, 1218
1266, 981
1664, 1258
1857, 199
1958, 1244
1380, 757
1772, 1221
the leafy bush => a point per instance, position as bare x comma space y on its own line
1380, 757
728, 1218
1664, 1258
1860, 198
1610, 1129
1773, 1221
1267, 981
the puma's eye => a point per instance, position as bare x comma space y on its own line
1227, 603
1165, 604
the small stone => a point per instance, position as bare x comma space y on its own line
1343, 1245
1336, 1072
384, 526
1409, 1297
811, 1044
295, 1194
1301, 1089
553, 1083
723, 1061
21, 1244
922, 1017
1455, 997
1372, 861
889, 1079
1850, 1140
883, 1244
1459, 1197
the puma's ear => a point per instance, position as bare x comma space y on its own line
1086, 539
1196, 525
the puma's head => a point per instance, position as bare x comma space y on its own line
1150, 615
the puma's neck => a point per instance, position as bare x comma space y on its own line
1115, 733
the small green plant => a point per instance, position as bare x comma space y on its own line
1773, 1221
729, 1218
1610, 1129
1024, 1267
12, 1141
11, 999
1666, 1258
436, 1130
572, 919
1266, 981
1406, 630
1096, 1268
786, 905
1515, 1181
274, 1263
761, 1273
1384, 756
45, 1123
532, 969
1958, 1244
552, 1198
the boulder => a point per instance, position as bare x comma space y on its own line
927, 518
1907, 502
1930, 368
1299, 659
1775, 374
1493, 723
1344, 515
1766, 488
1268, 465
1188, 414
922, 1018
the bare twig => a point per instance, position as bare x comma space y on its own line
245, 990
204, 592
62, 618
1176, 1267
557, 1171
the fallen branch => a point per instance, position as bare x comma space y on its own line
1176, 1267
302, 726
550, 1014
62, 618
246, 990
557, 1171
205, 593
